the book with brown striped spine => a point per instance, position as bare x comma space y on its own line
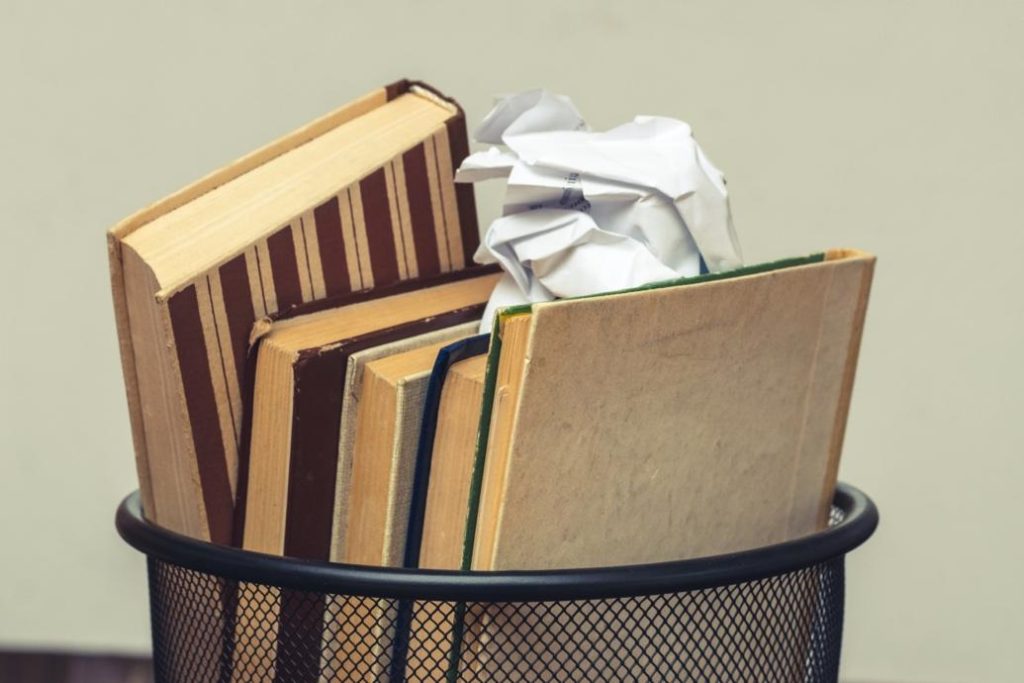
360, 198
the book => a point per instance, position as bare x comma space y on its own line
440, 492
715, 428
360, 198
445, 461
390, 416
354, 377
741, 383
390, 411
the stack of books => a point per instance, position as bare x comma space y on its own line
304, 374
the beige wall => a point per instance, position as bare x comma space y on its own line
891, 126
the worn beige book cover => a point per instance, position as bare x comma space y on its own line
353, 383
390, 411
715, 426
685, 419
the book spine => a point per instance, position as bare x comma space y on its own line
194, 349
464, 192
131, 382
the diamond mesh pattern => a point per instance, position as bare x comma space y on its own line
782, 628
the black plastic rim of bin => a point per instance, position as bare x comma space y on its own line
860, 518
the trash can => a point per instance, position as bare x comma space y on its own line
769, 614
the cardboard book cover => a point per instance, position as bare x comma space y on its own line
714, 427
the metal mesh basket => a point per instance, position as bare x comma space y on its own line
770, 614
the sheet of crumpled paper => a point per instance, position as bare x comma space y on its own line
588, 212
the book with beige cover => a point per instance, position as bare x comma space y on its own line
714, 426
356, 375
739, 384
390, 415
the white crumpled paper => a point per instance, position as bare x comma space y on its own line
588, 212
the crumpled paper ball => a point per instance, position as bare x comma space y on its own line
588, 212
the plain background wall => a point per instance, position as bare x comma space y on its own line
892, 126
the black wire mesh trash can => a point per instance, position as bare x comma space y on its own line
772, 614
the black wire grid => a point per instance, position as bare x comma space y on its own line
771, 614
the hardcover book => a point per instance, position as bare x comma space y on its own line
358, 199
355, 376
387, 434
440, 496
714, 427
741, 382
